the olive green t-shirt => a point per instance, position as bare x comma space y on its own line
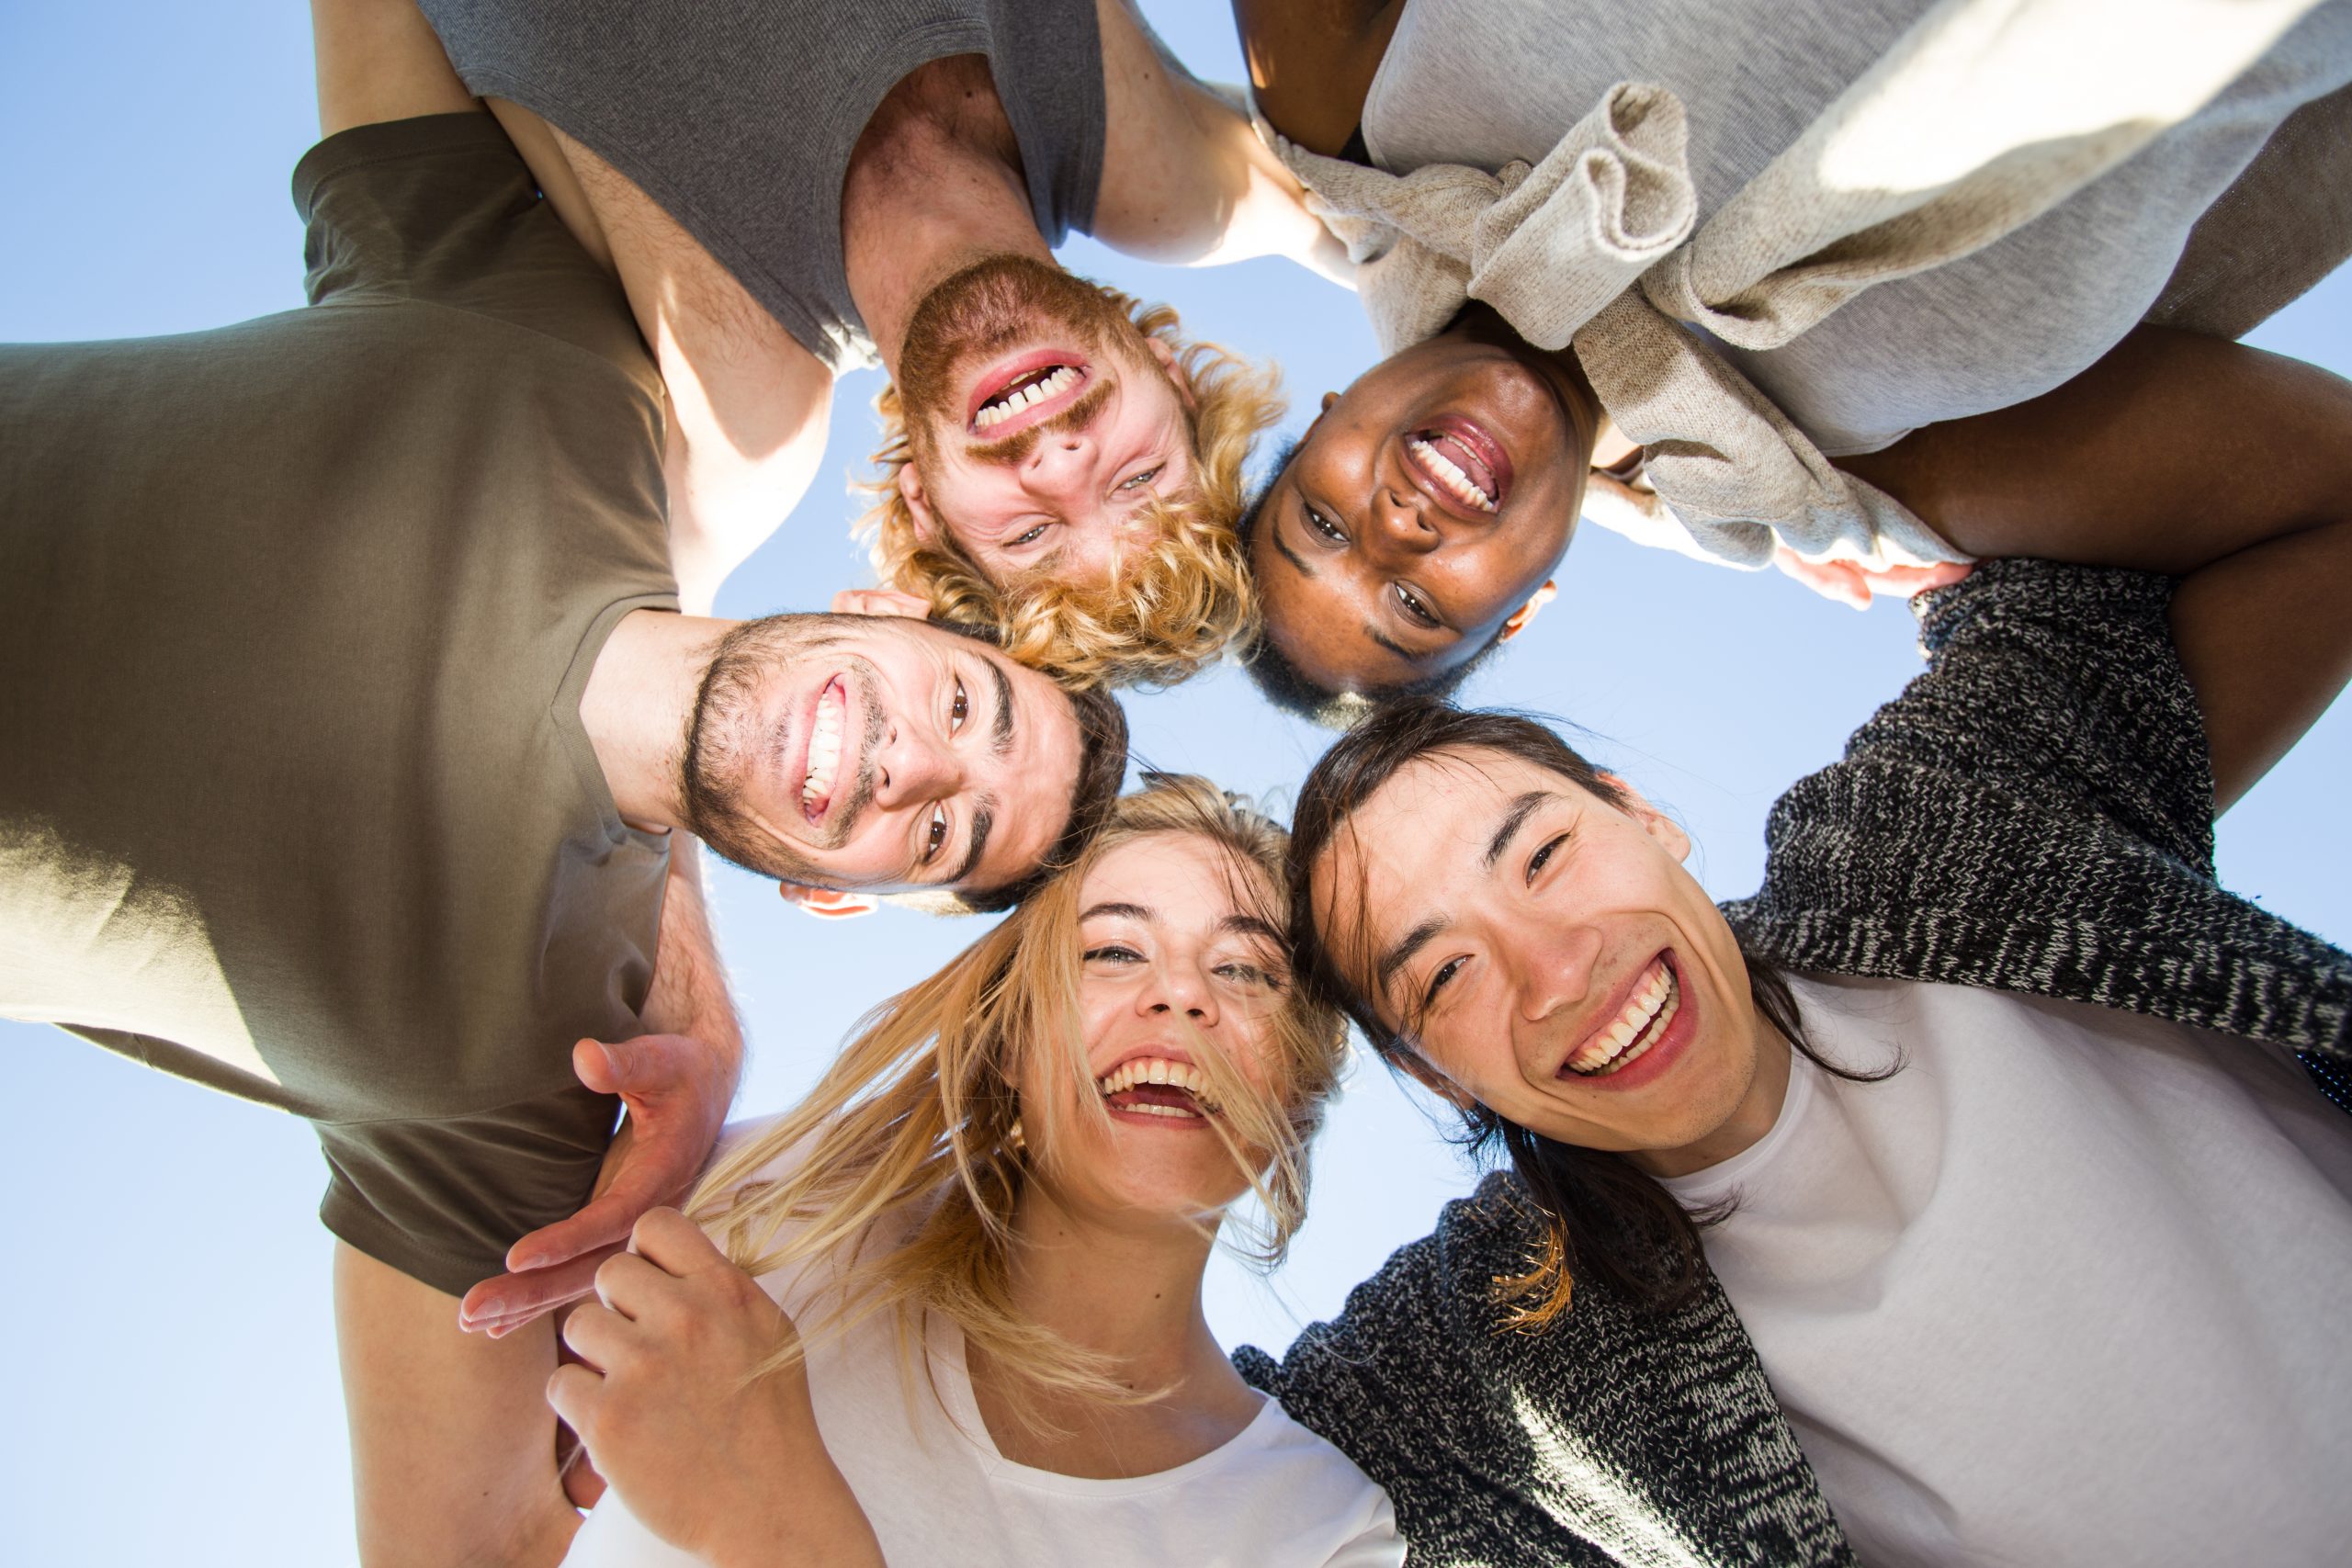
294, 618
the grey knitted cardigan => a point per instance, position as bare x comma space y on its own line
2034, 814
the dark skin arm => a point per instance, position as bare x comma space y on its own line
1311, 62
2205, 459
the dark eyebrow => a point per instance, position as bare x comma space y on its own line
1390, 644
1132, 911
1521, 808
1001, 741
1411, 942
983, 819
1248, 925
1274, 532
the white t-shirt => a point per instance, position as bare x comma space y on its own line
2070, 1288
937, 1491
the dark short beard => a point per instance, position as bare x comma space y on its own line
720, 754
984, 309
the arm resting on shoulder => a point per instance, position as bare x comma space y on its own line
749, 407
2210, 461
1185, 178
452, 1442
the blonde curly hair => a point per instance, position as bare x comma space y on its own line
1172, 608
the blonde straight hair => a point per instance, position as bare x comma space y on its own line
915, 1145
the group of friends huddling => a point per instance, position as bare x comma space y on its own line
1978, 1191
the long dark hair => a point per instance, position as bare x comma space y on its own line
1600, 1212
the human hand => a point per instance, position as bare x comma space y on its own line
677, 1091
709, 1454
1850, 582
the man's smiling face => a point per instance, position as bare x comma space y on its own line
1426, 504
877, 753
1041, 422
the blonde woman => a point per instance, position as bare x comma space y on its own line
958, 1313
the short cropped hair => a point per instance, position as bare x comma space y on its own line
1172, 608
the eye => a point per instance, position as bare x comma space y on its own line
1251, 974
1031, 538
935, 836
1324, 526
1439, 981
959, 708
1543, 856
1143, 479
1112, 952
1415, 609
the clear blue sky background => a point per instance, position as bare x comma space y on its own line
169, 1377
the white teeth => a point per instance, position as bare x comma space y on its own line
1449, 473
1012, 402
1157, 1070
1647, 1013
824, 749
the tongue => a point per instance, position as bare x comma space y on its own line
1157, 1094
1457, 452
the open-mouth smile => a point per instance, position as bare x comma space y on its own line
820, 767
1639, 1023
1459, 465
1024, 390
1159, 1089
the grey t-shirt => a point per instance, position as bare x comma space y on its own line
739, 116
1483, 82
296, 614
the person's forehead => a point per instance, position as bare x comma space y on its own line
1177, 877
1035, 781
1432, 822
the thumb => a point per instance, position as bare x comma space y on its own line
644, 1066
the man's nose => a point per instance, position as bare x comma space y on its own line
909, 771
1061, 468
1554, 969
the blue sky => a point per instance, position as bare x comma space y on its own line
171, 1378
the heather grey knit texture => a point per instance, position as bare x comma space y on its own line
739, 116
2034, 813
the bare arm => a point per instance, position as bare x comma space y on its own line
2224, 466
749, 407
452, 1442
378, 60
1184, 177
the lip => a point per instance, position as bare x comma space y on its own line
1481, 442
1139, 1119
1663, 1053
797, 779
992, 381
1481, 446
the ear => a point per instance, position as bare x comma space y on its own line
1526, 613
918, 507
880, 602
1655, 823
1173, 369
827, 902
1437, 1083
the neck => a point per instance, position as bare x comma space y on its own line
935, 185
1131, 1294
1757, 1110
640, 700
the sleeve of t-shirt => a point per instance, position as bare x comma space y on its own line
442, 1200
442, 210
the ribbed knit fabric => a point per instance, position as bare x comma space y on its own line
2034, 813
739, 116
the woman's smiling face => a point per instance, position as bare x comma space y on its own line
1426, 504
1546, 955
1183, 975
